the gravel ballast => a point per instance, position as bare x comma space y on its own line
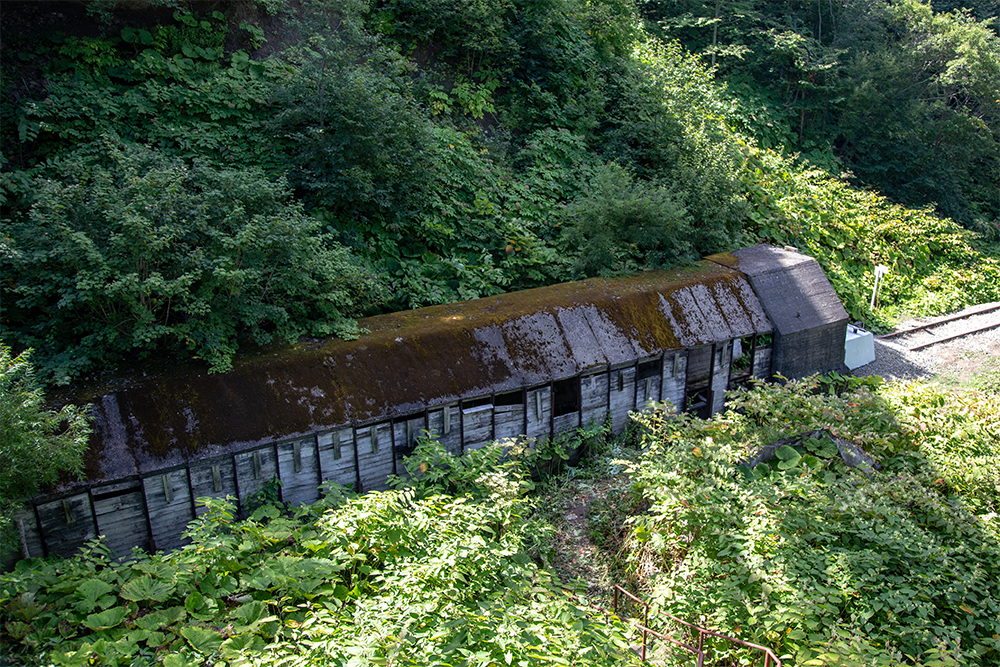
959, 360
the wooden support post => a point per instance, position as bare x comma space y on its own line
461, 428
93, 512
552, 410
607, 405
392, 442
663, 357
145, 512
41, 533
524, 402
70, 515
190, 485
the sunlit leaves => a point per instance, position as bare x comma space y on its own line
894, 560
439, 579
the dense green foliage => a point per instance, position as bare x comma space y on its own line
442, 151
406, 577
183, 183
37, 445
828, 564
902, 94
825, 563
152, 254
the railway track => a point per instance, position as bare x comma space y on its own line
942, 330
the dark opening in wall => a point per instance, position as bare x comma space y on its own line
742, 356
699, 403
476, 402
510, 398
406, 440
649, 369
566, 396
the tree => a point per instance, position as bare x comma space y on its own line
921, 120
37, 444
621, 226
155, 255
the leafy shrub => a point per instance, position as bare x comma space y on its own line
37, 445
173, 86
480, 473
667, 123
862, 568
352, 135
934, 265
621, 226
151, 254
380, 578
957, 433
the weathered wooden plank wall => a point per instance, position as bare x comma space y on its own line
509, 419
477, 425
65, 524
152, 512
299, 471
337, 456
375, 456
170, 502
622, 396
121, 515
673, 379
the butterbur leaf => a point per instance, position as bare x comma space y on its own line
89, 591
789, 457
827, 449
180, 660
147, 588
160, 618
24, 607
194, 602
203, 640
251, 612
811, 461
232, 647
106, 619
786, 453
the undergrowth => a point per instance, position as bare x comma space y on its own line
409, 577
827, 564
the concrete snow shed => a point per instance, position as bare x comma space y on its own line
810, 322
530, 363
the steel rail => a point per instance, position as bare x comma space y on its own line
956, 336
935, 323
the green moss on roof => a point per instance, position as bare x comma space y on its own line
409, 361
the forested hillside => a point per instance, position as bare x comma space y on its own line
187, 179
196, 180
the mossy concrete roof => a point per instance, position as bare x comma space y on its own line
416, 359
